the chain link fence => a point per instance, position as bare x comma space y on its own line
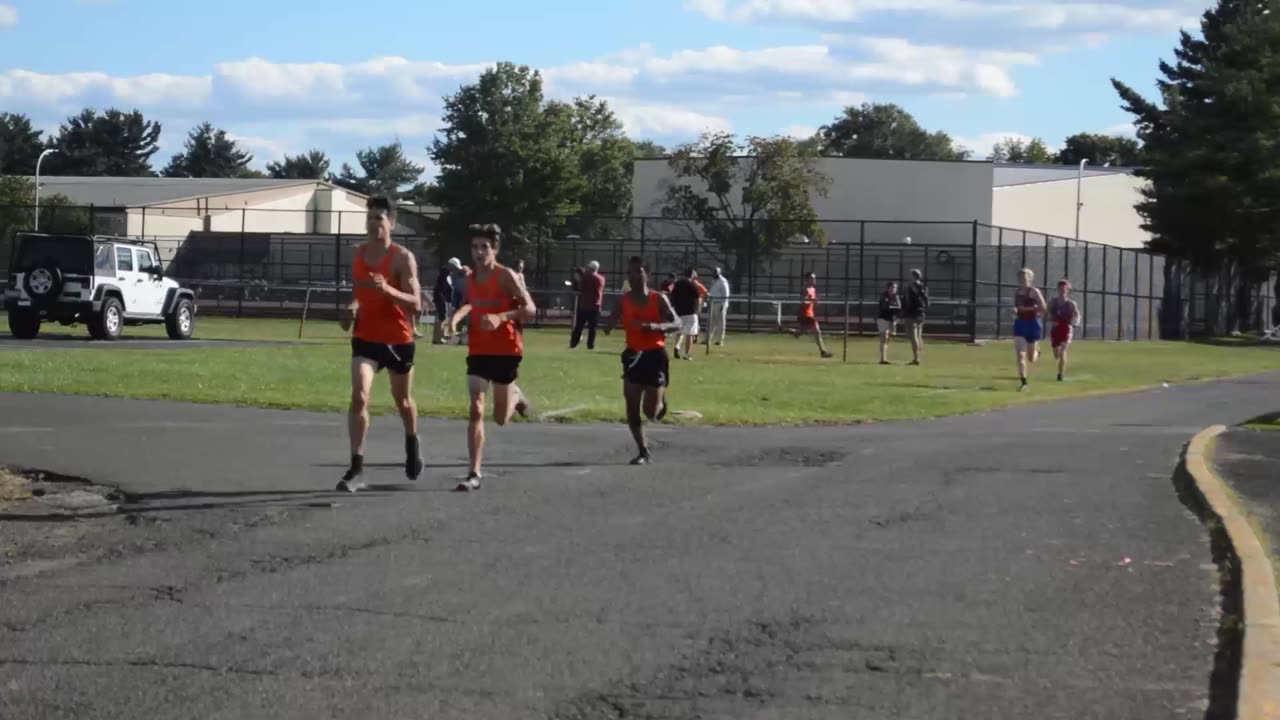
262, 263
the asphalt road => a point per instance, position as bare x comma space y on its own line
1249, 460
1033, 562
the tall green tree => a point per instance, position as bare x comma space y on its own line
747, 198
647, 149
112, 143
507, 156
311, 165
885, 131
20, 145
1030, 152
1211, 151
209, 153
1100, 150
384, 170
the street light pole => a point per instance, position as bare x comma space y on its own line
39, 160
1079, 179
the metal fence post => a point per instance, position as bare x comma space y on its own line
244, 212
1151, 295
93, 221
862, 265
973, 288
1102, 333
999, 280
1084, 297
1120, 298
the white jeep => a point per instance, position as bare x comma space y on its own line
102, 282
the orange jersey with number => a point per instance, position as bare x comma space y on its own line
487, 298
634, 317
378, 318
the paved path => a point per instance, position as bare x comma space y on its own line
1033, 562
1249, 460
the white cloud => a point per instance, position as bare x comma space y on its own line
1122, 130
8, 16
264, 150
800, 132
70, 89
1045, 15
645, 119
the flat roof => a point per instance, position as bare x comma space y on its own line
146, 191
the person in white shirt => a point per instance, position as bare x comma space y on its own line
719, 306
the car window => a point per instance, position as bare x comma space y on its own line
102, 258
124, 259
144, 260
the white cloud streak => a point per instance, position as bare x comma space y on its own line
8, 16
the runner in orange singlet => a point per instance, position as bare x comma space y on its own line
496, 302
807, 320
386, 298
647, 316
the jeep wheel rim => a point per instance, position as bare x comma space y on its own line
113, 320
41, 281
184, 320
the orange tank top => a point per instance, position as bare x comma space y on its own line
487, 298
633, 317
810, 295
379, 319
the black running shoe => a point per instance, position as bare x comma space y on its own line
662, 411
352, 481
471, 483
412, 457
644, 458
524, 408
1059, 377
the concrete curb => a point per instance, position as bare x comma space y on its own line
1259, 685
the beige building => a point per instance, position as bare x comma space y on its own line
938, 202
172, 208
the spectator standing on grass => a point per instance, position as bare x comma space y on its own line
719, 307
914, 305
686, 298
887, 317
442, 299
590, 296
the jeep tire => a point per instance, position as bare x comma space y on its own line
181, 320
24, 324
107, 323
43, 284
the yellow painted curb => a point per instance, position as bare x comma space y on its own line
1259, 690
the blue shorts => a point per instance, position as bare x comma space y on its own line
1028, 330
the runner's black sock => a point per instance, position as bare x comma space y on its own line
412, 457
357, 463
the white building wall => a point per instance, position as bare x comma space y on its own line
1108, 215
903, 196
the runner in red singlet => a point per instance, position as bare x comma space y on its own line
807, 320
1066, 316
387, 296
647, 316
496, 302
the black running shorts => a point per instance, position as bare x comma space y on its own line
650, 368
499, 369
397, 359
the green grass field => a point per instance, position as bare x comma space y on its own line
754, 379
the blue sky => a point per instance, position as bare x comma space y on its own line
284, 76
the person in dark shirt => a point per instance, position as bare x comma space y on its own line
442, 300
668, 284
914, 305
887, 317
686, 298
590, 296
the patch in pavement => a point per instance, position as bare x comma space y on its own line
785, 457
796, 664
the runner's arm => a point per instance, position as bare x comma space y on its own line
614, 312
1041, 305
668, 312
407, 273
527, 309
458, 314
